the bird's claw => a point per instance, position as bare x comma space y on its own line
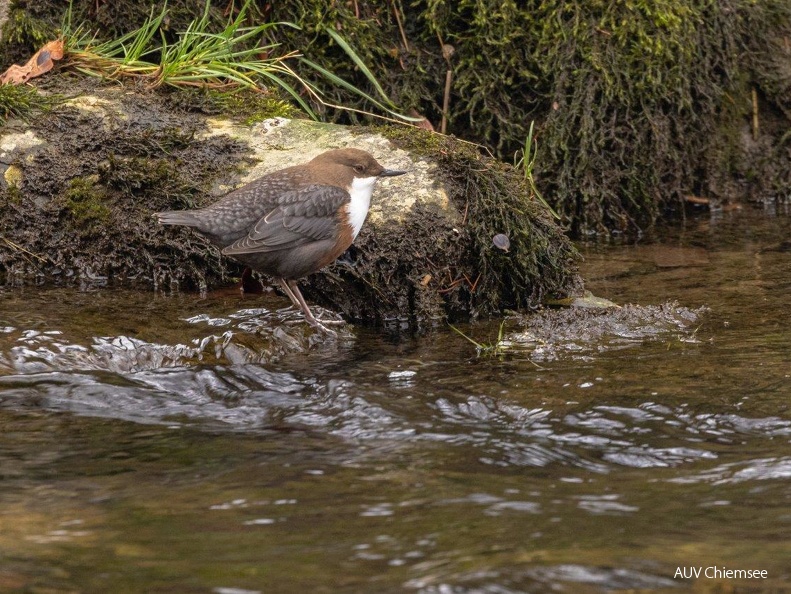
322, 328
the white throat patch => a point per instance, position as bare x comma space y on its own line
360, 191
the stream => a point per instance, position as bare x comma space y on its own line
180, 442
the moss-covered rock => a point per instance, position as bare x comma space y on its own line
84, 193
426, 251
87, 176
493, 198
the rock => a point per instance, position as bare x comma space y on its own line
282, 142
91, 173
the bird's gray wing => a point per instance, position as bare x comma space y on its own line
301, 216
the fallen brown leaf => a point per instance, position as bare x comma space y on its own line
42, 61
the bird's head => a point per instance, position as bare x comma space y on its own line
349, 165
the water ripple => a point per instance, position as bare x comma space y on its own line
240, 398
248, 336
761, 469
499, 432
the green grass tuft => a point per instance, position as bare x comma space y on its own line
237, 57
22, 100
486, 349
526, 162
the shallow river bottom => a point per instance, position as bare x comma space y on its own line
154, 443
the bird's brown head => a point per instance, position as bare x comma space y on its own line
343, 165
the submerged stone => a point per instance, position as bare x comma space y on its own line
583, 331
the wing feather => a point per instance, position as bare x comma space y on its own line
301, 216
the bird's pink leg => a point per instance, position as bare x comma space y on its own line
287, 291
293, 292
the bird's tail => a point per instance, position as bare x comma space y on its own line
177, 217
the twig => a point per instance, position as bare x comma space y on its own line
446, 101
475, 284
447, 52
697, 199
755, 114
400, 26
451, 286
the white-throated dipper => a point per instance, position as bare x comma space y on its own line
294, 221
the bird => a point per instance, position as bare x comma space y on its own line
292, 222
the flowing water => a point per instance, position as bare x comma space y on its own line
187, 443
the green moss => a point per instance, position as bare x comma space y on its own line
86, 202
412, 78
627, 93
265, 108
22, 28
134, 175
22, 35
11, 196
115, 18
630, 97
496, 199
252, 107
417, 141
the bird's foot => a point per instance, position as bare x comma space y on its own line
313, 320
321, 327
292, 290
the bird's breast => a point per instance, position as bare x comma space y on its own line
357, 210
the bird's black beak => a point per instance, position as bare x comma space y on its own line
392, 172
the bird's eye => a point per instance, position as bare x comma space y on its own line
359, 168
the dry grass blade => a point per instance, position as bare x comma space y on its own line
16, 247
